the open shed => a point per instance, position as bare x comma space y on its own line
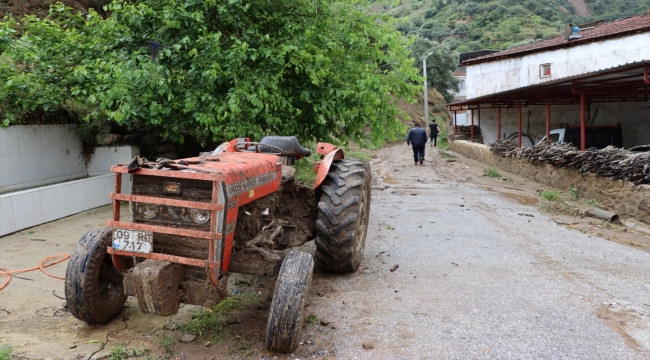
598, 79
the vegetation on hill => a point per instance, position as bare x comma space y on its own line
317, 69
466, 25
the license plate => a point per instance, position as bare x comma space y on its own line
132, 240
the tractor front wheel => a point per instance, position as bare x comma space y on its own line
284, 326
343, 213
94, 289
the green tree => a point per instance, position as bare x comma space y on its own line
462, 29
318, 69
471, 8
440, 65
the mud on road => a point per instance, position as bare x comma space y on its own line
482, 273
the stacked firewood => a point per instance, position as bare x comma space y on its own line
463, 132
611, 162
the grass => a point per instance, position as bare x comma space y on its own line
305, 166
574, 192
592, 202
122, 353
5, 352
243, 346
312, 320
446, 155
209, 323
491, 172
551, 195
166, 342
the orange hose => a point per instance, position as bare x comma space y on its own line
8, 278
62, 257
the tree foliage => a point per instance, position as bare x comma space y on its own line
440, 65
317, 69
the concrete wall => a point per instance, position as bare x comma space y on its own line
23, 209
507, 74
32, 155
623, 197
462, 93
50, 155
633, 116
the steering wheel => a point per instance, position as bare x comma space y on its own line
241, 147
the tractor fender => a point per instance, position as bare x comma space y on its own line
322, 167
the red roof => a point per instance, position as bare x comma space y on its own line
631, 25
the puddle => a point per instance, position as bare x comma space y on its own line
388, 179
522, 199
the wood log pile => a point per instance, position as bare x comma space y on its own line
464, 132
611, 162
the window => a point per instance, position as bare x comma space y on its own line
545, 70
461, 85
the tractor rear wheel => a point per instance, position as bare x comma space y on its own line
94, 289
343, 213
284, 326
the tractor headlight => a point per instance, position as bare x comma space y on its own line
147, 211
200, 216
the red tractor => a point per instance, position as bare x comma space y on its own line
193, 221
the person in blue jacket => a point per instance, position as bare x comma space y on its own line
417, 138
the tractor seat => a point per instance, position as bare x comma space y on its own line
289, 145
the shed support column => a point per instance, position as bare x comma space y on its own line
479, 117
471, 128
455, 123
519, 125
582, 122
499, 123
548, 121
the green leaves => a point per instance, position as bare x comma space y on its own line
320, 70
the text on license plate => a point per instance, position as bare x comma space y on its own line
132, 240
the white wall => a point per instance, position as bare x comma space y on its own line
50, 155
462, 93
629, 114
32, 155
507, 74
461, 118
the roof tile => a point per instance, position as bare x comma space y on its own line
639, 23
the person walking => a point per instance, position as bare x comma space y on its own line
434, 130
417, 137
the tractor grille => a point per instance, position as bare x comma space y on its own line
174, 216
171, 216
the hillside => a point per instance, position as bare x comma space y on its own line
40, 8
465, 25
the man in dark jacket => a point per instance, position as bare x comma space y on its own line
434, 130
417, 137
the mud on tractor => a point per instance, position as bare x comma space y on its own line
194, 221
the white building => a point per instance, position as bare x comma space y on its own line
460, 74
600, 78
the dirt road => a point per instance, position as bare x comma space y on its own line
482, 274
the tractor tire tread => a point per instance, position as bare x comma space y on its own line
286, 315
341, 212
82, 290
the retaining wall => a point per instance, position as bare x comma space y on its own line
44, 177
623, 197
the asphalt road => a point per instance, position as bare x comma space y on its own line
482, 276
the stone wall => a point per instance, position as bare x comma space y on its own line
623, 197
